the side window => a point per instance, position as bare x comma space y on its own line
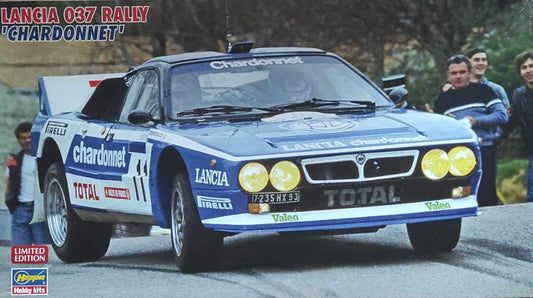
107, 99
143, 95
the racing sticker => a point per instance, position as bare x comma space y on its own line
285, 217
380, 141
255, 62
438, 205
29, 281
329, 125
116, 193
211, 177
214, 203
361, 196
85, 191
94, 154
56, 128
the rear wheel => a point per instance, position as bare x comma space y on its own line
435, 236
195, 247
73, 240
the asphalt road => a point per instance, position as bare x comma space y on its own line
493, 259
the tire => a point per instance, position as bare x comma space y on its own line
435, 236
73, 240
195, 247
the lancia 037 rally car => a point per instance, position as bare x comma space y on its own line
212, 144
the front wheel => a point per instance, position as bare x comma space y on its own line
435, 236
195, 247
73, 239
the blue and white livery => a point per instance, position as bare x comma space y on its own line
271, 140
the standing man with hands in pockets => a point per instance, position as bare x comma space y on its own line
477, 105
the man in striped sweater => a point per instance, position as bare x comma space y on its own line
479, 107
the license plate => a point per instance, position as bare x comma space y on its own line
276, 197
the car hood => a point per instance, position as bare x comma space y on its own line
314, 133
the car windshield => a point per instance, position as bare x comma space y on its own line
267, 83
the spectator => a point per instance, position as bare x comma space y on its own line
480, 107
480, 63
19, 193
522, 111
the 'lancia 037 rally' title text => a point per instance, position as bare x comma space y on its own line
81, 23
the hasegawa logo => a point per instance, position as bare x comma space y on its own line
212, 177
99, 156
29, 281
29, 254
214, 203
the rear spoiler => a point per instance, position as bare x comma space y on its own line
60, 94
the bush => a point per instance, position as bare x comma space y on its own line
511, 181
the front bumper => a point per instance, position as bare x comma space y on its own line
348, 218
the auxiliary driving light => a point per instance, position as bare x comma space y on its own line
253, 177
462, 161
258, 208
284, 176
435, 164
461, 192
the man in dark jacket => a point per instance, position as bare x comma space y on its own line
21, 169
479, 107
522, 111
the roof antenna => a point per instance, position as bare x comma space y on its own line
228, 26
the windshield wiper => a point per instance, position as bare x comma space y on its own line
318, 102
219, 109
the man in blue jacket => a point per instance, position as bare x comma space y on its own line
479, 107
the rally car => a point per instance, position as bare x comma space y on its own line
212, 144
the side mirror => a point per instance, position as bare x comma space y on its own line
140, 117
398, 94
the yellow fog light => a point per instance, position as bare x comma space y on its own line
258, 208
253, 177
435, 164
285, 176
462, 161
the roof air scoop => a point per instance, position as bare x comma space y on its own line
241, 47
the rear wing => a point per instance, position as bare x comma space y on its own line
60, 94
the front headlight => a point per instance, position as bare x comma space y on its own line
253, 177
462, 161
435, 164
284, 176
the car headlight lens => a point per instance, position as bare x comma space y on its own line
284, 176
462, 161
435, 164
253, 177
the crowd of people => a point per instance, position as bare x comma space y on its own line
468, 96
